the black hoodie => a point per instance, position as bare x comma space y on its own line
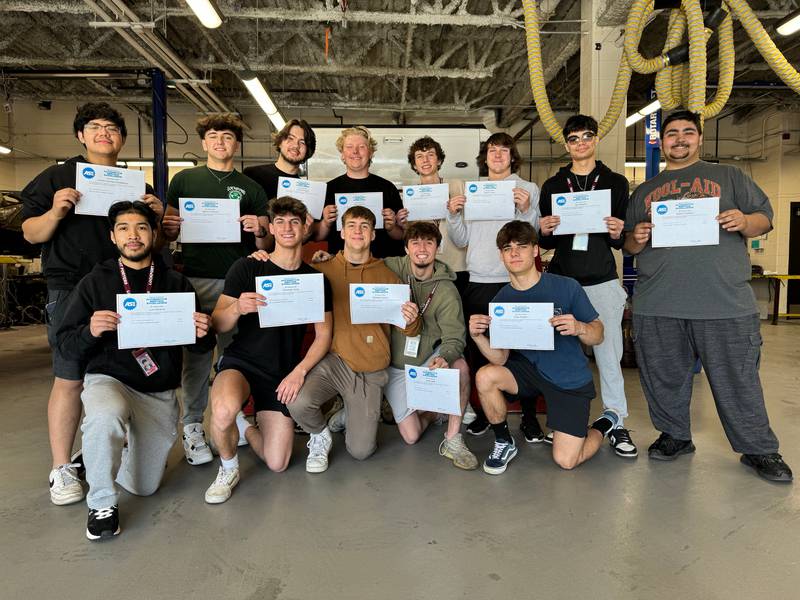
98, 291
596, 264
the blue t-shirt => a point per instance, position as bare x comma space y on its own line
565, 366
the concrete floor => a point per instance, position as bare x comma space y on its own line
406, 524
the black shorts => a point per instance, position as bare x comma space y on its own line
567, 410
263, 387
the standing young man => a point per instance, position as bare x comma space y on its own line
355, 368
263, 362
439, 344
500, 158
207, 264
561, 375
131, 408
295, 144
71, 246
357, 147
696, 302
426, 157
589, 259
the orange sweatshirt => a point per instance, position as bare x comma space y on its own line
364, 348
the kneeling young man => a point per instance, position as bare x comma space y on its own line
127, 394
440, 343
265, 362
561, 375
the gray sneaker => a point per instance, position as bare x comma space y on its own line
456, 450
337, 421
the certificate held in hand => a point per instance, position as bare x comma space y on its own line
102, 186
152, 320
209, 221
378, 303
582, 212
434, 390
426, 202
687, 222
489, 200
310, 193
291, 299
371, 200
521, 325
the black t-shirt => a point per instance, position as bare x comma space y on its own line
267, 177
383, 245
271, 350
80, 241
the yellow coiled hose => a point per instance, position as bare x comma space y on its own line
675, 85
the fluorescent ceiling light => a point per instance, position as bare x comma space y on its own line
5, 150
149, 163
207, 12
642, 113
789, 24
635, 164
260, 94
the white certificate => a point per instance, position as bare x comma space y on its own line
371, 200
489, 200
426, 202
310, 193
209, 220
689, 222
521, 325
378, 303
101, 186
152, 320
582, 212
435, 390
291, 299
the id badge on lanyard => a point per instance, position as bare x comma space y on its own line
142, 357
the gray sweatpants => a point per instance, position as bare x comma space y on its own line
730, 351
197, 367
112, 410
361, 393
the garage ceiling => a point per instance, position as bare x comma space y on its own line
402, 58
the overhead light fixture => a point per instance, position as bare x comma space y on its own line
260, 94
789, 24
146, 163
207, 12
637, 164
642, 113
5, 150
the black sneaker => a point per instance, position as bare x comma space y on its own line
103, 523
621, 442
501, 455
768, 466
479, 426
548, 439
531, 430
667, 447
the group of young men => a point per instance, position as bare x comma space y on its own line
690, 303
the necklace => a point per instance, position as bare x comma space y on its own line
219, 179
585, 181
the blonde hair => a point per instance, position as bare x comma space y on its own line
357, 130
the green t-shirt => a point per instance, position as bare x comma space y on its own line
214, 260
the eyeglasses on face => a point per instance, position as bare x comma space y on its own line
586, 136
95, 127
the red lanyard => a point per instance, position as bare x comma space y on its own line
594, 184
427, 301
127, 285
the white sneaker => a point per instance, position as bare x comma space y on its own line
318, 448
65, 486
223, 485
469, 415
242, 424
195, 446
337, 421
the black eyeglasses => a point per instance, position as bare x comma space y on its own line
586, 136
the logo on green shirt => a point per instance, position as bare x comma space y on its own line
235, 193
